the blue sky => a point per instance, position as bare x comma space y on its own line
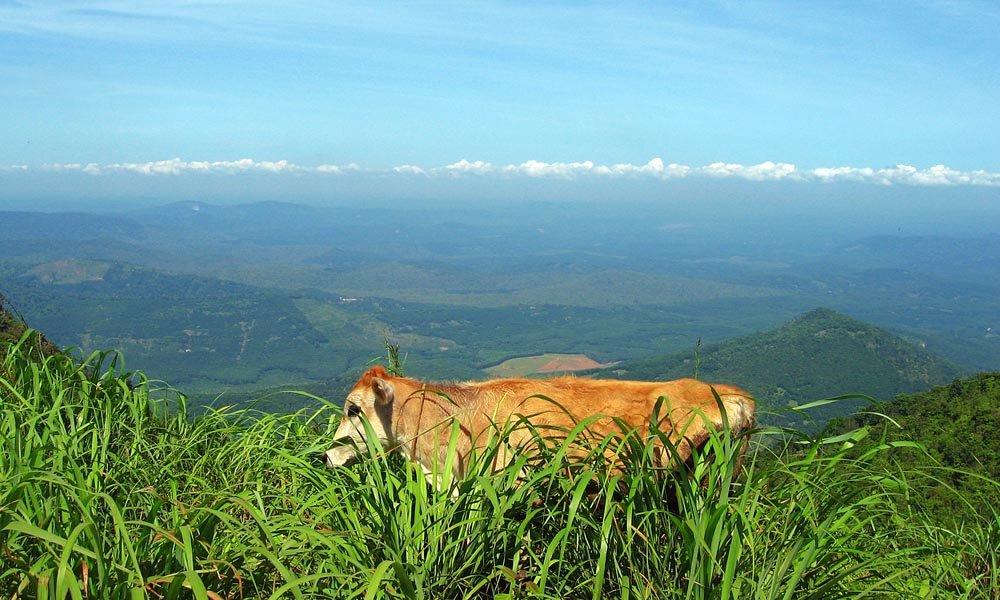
888, 93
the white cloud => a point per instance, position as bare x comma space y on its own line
842, 173
409, 169
563, 170
275, 167
173, 166
90, 168
654, 167
176, 166
657, 168
535, 168
465, 167
937, 175
907, 175
330, 168
765, 171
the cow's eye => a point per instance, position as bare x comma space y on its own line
353, 410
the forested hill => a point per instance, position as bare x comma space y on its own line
821, 354
958, 424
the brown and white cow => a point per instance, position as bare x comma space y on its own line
418, 419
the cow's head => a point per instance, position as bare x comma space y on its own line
370, 399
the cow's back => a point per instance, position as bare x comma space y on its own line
684, 409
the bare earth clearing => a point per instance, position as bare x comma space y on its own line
542, 364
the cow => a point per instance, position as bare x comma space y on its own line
427, 422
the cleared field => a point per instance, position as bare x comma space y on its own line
70, 271
543, 363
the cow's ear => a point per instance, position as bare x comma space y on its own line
377, 371
383, 389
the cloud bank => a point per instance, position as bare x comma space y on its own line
176, 166
938, 175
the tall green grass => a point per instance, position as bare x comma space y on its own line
107, 493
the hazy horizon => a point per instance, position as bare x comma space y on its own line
845, 209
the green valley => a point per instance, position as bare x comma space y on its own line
246, 298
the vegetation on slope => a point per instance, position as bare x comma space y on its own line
958, 427
105, 494
13, 328
821, 354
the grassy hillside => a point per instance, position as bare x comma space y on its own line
104, 494
821, 354
958, 424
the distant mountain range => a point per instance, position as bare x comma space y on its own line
819, 355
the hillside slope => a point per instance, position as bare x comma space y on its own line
105, 494
12, 329
958, 424
821, 354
